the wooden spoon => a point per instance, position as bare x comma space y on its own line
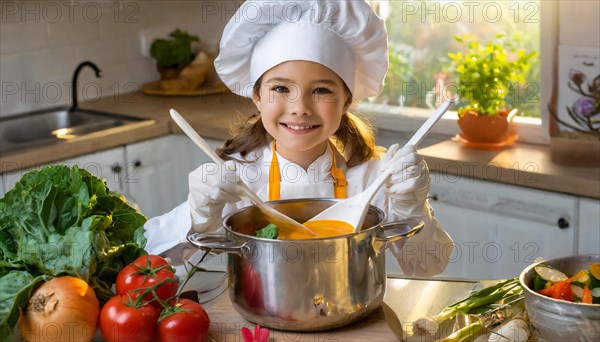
273, 216
353, 210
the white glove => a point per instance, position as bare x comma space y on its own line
408, 186
426, 253
211, 187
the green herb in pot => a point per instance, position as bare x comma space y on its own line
268, 232
174, 52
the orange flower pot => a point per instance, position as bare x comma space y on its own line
485, 129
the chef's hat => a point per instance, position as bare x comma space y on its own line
345, 36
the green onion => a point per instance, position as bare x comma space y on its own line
464, 334
478, 302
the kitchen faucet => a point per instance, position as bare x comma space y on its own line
76, 76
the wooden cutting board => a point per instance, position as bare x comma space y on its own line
380, 326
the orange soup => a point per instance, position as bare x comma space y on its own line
323, 228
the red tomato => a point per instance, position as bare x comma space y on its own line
144, 272
563, 291
188, 323
120, 322
252, 288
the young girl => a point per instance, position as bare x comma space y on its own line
305, 64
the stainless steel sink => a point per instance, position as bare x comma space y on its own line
45, 127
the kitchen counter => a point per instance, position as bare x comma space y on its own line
522, 165
405, 301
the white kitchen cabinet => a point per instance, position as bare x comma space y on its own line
499, 229
100, 164
157, 171
589, 226
154, 173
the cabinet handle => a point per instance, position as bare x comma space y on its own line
563, 223
116, 168
137, 163
514, 208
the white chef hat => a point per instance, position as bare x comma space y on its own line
345, 36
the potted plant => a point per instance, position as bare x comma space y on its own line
173, 54
485, 73
181, 70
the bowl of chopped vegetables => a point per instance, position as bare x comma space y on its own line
562, 297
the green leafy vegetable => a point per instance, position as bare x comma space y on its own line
268, 232
14, 295
63, 221
174, 52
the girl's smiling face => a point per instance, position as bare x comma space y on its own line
301, 104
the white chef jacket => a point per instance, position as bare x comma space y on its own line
424, 254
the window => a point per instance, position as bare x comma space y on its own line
421, 34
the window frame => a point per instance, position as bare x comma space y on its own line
530, 130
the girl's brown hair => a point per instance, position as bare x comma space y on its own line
355, 138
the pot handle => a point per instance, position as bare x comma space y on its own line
401, 229
218, 243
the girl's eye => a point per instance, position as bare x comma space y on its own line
322, 91
280, 89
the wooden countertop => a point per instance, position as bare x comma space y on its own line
522, 165
211, 115
405, 301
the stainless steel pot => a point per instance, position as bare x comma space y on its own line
305, 285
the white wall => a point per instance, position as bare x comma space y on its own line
43, 41
579, 21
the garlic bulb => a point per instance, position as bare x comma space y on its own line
515, 330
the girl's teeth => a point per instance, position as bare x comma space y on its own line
298, 128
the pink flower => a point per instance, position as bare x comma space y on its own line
260, 334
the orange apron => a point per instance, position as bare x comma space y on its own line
339, 178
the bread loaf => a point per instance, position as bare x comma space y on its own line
190, 77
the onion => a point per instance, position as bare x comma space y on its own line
62, 309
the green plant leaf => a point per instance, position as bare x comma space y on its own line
485, 73
173, 52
